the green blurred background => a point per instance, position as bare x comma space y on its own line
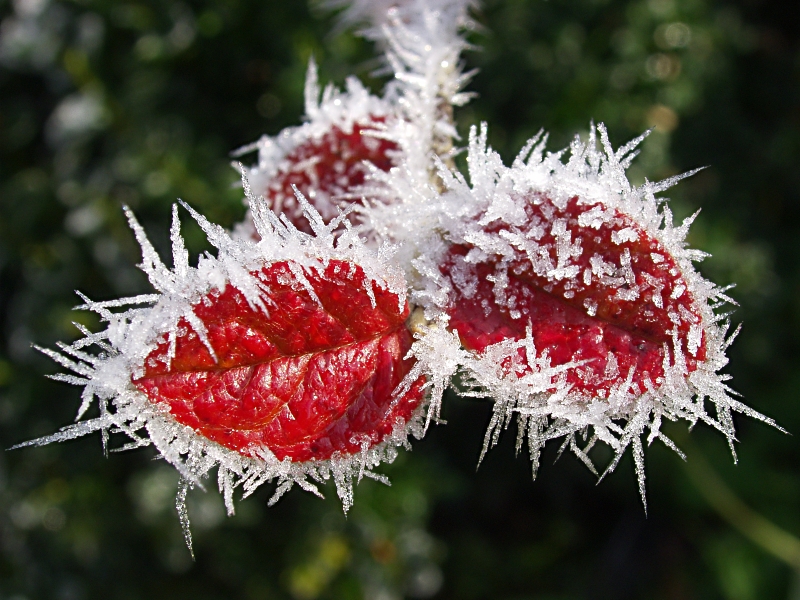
111, 102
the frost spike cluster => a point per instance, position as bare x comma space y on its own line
371, 181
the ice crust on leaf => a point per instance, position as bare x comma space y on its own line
577, 300
313, 376
210, 369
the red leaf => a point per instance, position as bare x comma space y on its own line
590, 307
326, 168
307, 380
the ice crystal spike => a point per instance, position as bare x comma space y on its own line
278, 359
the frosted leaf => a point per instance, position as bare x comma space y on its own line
194, 369
388, 151
578, 298
328, 157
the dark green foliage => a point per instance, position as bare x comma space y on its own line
111, 102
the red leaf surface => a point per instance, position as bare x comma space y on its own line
615, 300
325, 168
307, 380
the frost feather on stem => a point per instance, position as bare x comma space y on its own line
373, 16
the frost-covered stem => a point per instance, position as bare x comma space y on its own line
442, 144
423, 47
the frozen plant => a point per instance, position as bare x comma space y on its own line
369, 273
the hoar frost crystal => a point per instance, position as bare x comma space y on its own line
369, 273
